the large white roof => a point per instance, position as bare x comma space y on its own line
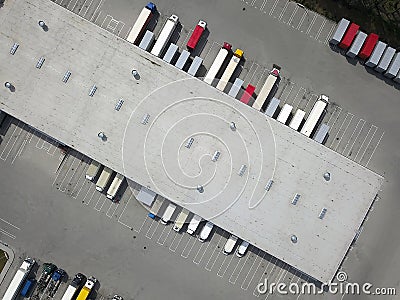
180, 107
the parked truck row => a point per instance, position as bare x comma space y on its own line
374, 53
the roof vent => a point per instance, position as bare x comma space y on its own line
216, 156
242, 170
66, 76
93, 90
269, 184
119, 104
322, 213
295, 199
189, 143
40, 62
145, 119
14, 48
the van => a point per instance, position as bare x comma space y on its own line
230, 244
168, 214
242, 249
28, 285
93, 169
205, 232
181, 219
194, 223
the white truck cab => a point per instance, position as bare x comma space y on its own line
205, 232
230, 244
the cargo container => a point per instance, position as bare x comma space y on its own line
140, 25
385, 60
248, 93
181, 219
394, 66
376, 55
357, 44
18, 279
297, 119
165, 35
170, 54
284, 113
147, 40
180, 63
315, 115
272, 107
196, 35
115, 185
230, 69
103, 179
235, 88
267, 88
349, 36
321, 134
168, 214
93, 170
27, 287
217, 63
195, 66
369, 45
340, 31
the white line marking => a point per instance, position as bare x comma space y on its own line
248, 272
355, 158
148, 230
302, 20
273, 8
340, 138
362, 156
10, 224
98, 6
348, 141
240, 271
7, 234
263, 5
222, 264
329, 34
351, 148
292, 16
283, 11
320, 29
194, 241
174, 249
374, 149
212, 254
311, 24
254, 273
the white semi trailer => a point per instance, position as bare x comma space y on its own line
19, 279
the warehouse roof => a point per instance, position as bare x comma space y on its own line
146, 138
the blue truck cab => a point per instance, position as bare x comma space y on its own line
27, 286
151, 6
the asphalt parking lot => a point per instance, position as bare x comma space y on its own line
363, 119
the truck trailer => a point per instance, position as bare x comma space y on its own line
230, 69
357, 44
217, 63
103, 179
376, 55
181, 219
284, 113
369, 45
87, 288
140, 25
19, 279
340, 31
297, 119
394, 66
195, 66
165, 35
385, 60
170, 54
235, 88
268, 86
156, 207
349, 36
147, 40
74, 286
92, 170
315, 115
272, 107
168, 214
196, 35
115, 185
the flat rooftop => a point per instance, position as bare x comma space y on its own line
179, 107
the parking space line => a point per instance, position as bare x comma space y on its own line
287, 95
194, 241
98, 200
255, 292
12, 225
295, 97
311, 24
222, 264
233, 282
186, 38
119, 218
97, 8
254, 273
362, 156
244, 79
376, 146
7, 234
126, 35
146, 218
251, 78
85, 182
302, 20
329, 34
355, 158
273, 8
198, 251
262, 75
263, 5
252, 265
212, 254
292, 16
87, 9
20, 149
283, 11
208, 52
109, 208
356, 137
15, 140
95, 21
151, 226
177, 245
351, 136
69, 169
73, 6
169, 232
102, 23
320, 29
336, 117
340, 128
278, 277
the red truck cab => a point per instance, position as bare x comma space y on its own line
248, 93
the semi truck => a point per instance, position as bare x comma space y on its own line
19, 279
103, 179
74, 286
196, 35
55, 282
93, 169
165, 35
217, 63
315, 115
194, 223
268, 86
230, 69
87, 288
168, 214
140, 25
340, 31
181, 219
45, 276
115, 185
